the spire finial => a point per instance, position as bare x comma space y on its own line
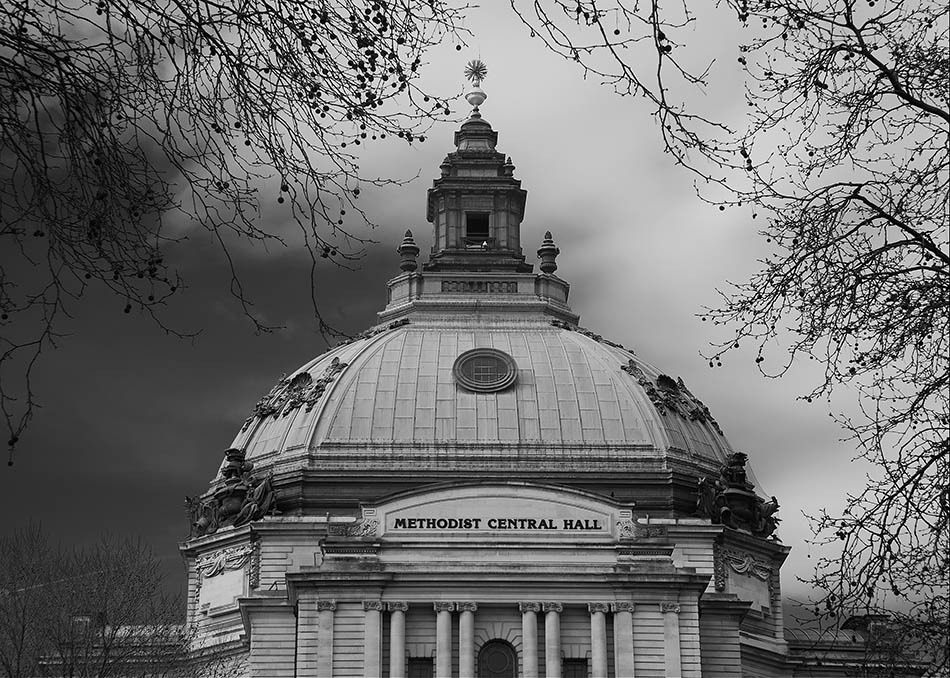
476, 71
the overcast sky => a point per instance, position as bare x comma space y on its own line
133, 420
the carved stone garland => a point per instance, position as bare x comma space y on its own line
668, 395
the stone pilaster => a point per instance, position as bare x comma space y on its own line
623, 639
671, 638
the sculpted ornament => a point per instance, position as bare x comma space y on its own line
233, 558
669, 395
730, 500
291, 394
241, 500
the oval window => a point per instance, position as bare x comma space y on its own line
485, 370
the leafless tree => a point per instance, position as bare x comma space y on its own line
119, 116
843, 153
97, 611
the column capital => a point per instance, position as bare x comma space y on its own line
443, 606
598, 607
326, 605
397, 605
529, 607
673, 608
552, 607
375, 605
467, 606
623, 606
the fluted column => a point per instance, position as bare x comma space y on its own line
529, 639
372, 630
467, 639
325, 610
671, 638
443, 639
623, 639
552, 639
397, 639
598, 639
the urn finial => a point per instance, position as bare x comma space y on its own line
547, 253
476, 71
408, 252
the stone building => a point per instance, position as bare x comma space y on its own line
477, 486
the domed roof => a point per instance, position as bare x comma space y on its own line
478, 368
397, 386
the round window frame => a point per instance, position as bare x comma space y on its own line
509, 378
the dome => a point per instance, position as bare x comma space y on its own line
477, 367
396, 388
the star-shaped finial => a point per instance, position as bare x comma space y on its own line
476, 71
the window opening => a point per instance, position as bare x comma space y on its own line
476, 225
574, 668
420, 667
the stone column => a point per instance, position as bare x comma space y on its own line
325, 610
467, 639
443, 639
552, 639
598, 639
372, 641
671, 638
623, 639
397, 639
529, 639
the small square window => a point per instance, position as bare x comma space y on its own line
476, 225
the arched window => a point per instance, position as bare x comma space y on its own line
497, 659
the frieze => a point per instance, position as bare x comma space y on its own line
361, 528
291, 394
651, 531
479, 287
216, 562
669, 395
